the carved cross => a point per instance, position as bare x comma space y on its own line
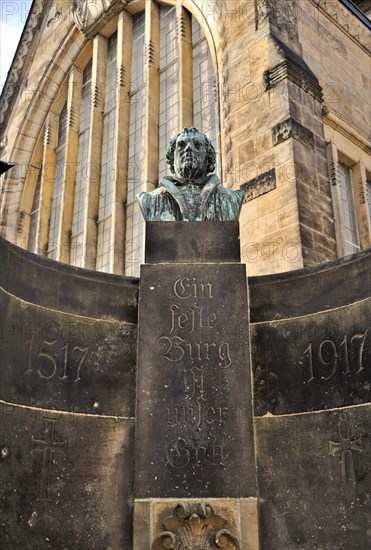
48, 447
345, 447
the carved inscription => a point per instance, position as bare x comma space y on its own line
176, 349
55, 359
186, 287
47, 447
344, 448
196, 347
181, 452
198, 415
329, 358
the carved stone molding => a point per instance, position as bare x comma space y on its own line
91, 15
56, 17
295, 70
262, 10
289, 128
286, 15
12, 86
195, 527
282, 14
260, 185
3, 143
346, 21
150, 53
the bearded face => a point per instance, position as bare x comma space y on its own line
190, 157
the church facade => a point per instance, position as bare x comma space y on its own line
98, 88
186, 409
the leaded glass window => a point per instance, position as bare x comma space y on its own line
145, 116
204, 88
105, 239
169, 91
347, 210
34, 216
79, 211
134, 223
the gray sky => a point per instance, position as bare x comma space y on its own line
13, 17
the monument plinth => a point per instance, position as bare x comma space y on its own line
194, 408
141, 438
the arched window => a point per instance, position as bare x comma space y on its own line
146, 80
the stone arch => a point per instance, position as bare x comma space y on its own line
29, 133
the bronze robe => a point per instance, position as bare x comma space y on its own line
167, 204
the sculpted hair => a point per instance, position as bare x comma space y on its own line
211, 155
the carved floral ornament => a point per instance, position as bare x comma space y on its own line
195, 527
90, 14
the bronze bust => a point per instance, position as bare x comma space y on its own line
193, 193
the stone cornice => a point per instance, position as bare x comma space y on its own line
347, 21
294, 69
347, 128
11, 87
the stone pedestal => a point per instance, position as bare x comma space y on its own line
194, 437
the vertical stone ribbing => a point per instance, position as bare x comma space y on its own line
47, 181
120, 176
95, 149
69, 175
152, 95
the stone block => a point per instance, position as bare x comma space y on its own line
193, 383
63, 470
192, 242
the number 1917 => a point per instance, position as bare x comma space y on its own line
324, 360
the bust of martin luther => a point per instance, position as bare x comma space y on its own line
192, 192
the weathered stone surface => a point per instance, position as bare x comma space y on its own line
66, 480
192, 242
238, 515
194, 434
260, 185
67, 362
196, 526
316, 362
67, 391
54, 359
311, 352
302, 292
295, 70
289, 128
66, 288
314, 480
